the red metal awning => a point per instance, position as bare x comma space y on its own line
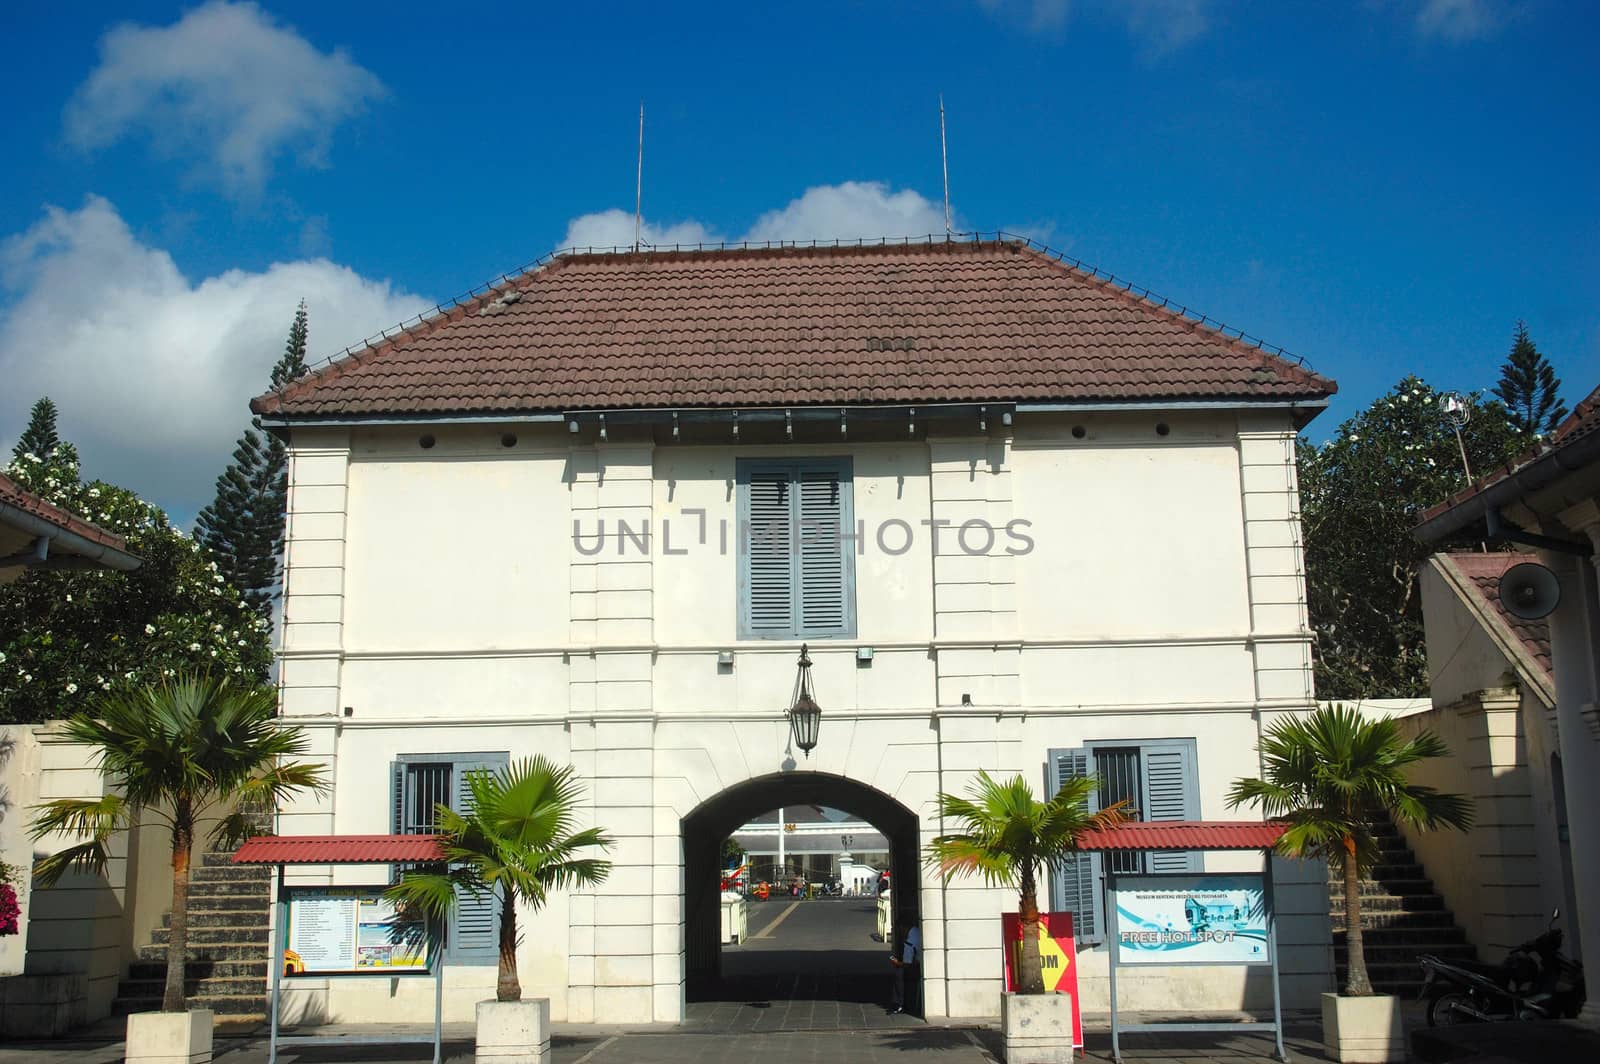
339, 849
1185, 835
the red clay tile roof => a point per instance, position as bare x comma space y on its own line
1185, 835
339, 849
958, 322
1483, 573
1583, 422
12, 494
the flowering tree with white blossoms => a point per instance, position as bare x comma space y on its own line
1361, 494
67, 635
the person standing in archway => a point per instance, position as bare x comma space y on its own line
906, 961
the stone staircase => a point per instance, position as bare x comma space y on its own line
226, 971
1402, 918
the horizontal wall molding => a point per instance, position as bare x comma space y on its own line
792, 647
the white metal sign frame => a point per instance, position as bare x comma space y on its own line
280, 943
1113, 946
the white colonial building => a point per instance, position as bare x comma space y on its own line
1024, 520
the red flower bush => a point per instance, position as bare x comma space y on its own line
9, 912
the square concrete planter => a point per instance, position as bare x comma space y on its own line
1363, 1030
1037, 1028
169, 1037
514, 1032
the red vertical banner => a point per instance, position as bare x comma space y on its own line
1058, 959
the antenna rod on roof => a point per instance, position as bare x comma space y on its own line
944, 161
638, 186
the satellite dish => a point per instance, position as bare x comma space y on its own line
1529, 591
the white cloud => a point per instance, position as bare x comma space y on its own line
850, 210
1161, 26
225, 84
153, 372
1459, 20
614, 229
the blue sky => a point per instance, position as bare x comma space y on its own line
1382, 187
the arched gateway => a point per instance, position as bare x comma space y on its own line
717, 817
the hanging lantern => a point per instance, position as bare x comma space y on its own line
805, 716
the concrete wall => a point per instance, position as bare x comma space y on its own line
436, 596
1503, 878
87, 926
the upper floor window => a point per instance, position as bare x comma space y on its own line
796, 549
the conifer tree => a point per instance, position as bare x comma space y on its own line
1529, 388
243, 526
39, 438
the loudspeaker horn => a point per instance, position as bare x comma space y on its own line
1529, 591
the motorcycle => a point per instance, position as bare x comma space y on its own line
1534, 982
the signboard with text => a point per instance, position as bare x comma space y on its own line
350, 931
1058, 959
1198, 918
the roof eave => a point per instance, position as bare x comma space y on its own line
1510, 487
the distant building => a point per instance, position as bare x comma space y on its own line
811, 841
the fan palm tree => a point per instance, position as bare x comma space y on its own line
517, 840
1006, 833
1324, 774
187, 752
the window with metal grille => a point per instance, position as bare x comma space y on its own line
1158, 780
796, 549
421, 784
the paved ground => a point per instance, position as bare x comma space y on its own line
680, 1045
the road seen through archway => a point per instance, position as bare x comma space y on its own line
805, 965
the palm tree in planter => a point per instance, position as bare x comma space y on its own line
189, 752
518, 841
1005, 834
1324, 774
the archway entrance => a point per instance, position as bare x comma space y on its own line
766, 971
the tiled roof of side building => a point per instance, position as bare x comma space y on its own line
1583, 422
1483, 573
13, 494
957, 321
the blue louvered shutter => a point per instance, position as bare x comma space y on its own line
796, 566
826, 562
475, 937
767, 570
1075, 880
1171, 792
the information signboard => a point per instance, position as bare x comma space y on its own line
1058, 959
1199, 918
350, 931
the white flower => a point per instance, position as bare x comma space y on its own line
1354, 436
69, 598
213, 653
127, 675
94, 493
149, 629
72, 688
27, 677
194, 646
2, 658
105, 687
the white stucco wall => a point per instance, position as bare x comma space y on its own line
438, 595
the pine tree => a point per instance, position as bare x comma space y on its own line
243, 526
1529, 388
39, 438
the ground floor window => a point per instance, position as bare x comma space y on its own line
421, 784
1158, 780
